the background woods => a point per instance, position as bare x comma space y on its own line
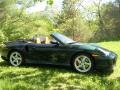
95, 22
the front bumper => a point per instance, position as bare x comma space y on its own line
106, 62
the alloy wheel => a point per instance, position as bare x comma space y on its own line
82, 63
15, 58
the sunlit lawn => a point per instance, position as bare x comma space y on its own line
58, 77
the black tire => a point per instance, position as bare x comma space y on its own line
16, 58
88, 60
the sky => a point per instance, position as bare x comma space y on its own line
57, 5
40, 6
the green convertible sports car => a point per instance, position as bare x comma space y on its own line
61, 50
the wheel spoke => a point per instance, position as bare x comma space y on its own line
79, 66
15, 54
18, 58
78, 61
13, 57
86, 63
14, 61
17, 62
83, 66
83, 59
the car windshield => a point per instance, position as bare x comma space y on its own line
64, 39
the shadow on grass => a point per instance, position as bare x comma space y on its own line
46, 76
4, 64
60, 68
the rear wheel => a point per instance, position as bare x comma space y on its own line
82, 63
15, 58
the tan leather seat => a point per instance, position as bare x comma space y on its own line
42, 40
47, 40
37, 41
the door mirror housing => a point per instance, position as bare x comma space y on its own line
54, 42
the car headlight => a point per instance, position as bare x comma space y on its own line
104, 51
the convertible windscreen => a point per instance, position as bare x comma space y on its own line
63, 38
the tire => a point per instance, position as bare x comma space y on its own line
15, 58
82, 63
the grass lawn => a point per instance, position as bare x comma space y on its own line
44, 77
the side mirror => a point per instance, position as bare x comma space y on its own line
54, 42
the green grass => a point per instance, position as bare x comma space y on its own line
42, 77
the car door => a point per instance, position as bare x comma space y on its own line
39, 53
60, 54
48, 53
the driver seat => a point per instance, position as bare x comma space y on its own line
42, 40
38, 41
47, 41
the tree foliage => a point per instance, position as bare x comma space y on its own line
101, 21
98, 22
110, 14
17, 24
71, 21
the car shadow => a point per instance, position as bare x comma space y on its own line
60, 68
4, 64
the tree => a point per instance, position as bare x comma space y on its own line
71, 21
15, 23
112, 19
109, 21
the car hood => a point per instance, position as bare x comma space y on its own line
86, 46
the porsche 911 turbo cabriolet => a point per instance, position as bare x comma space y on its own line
61, 50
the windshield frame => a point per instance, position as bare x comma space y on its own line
62, 38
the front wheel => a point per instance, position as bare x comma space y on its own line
15, 58
82, 63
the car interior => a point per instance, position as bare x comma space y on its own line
45, 41
42, 40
